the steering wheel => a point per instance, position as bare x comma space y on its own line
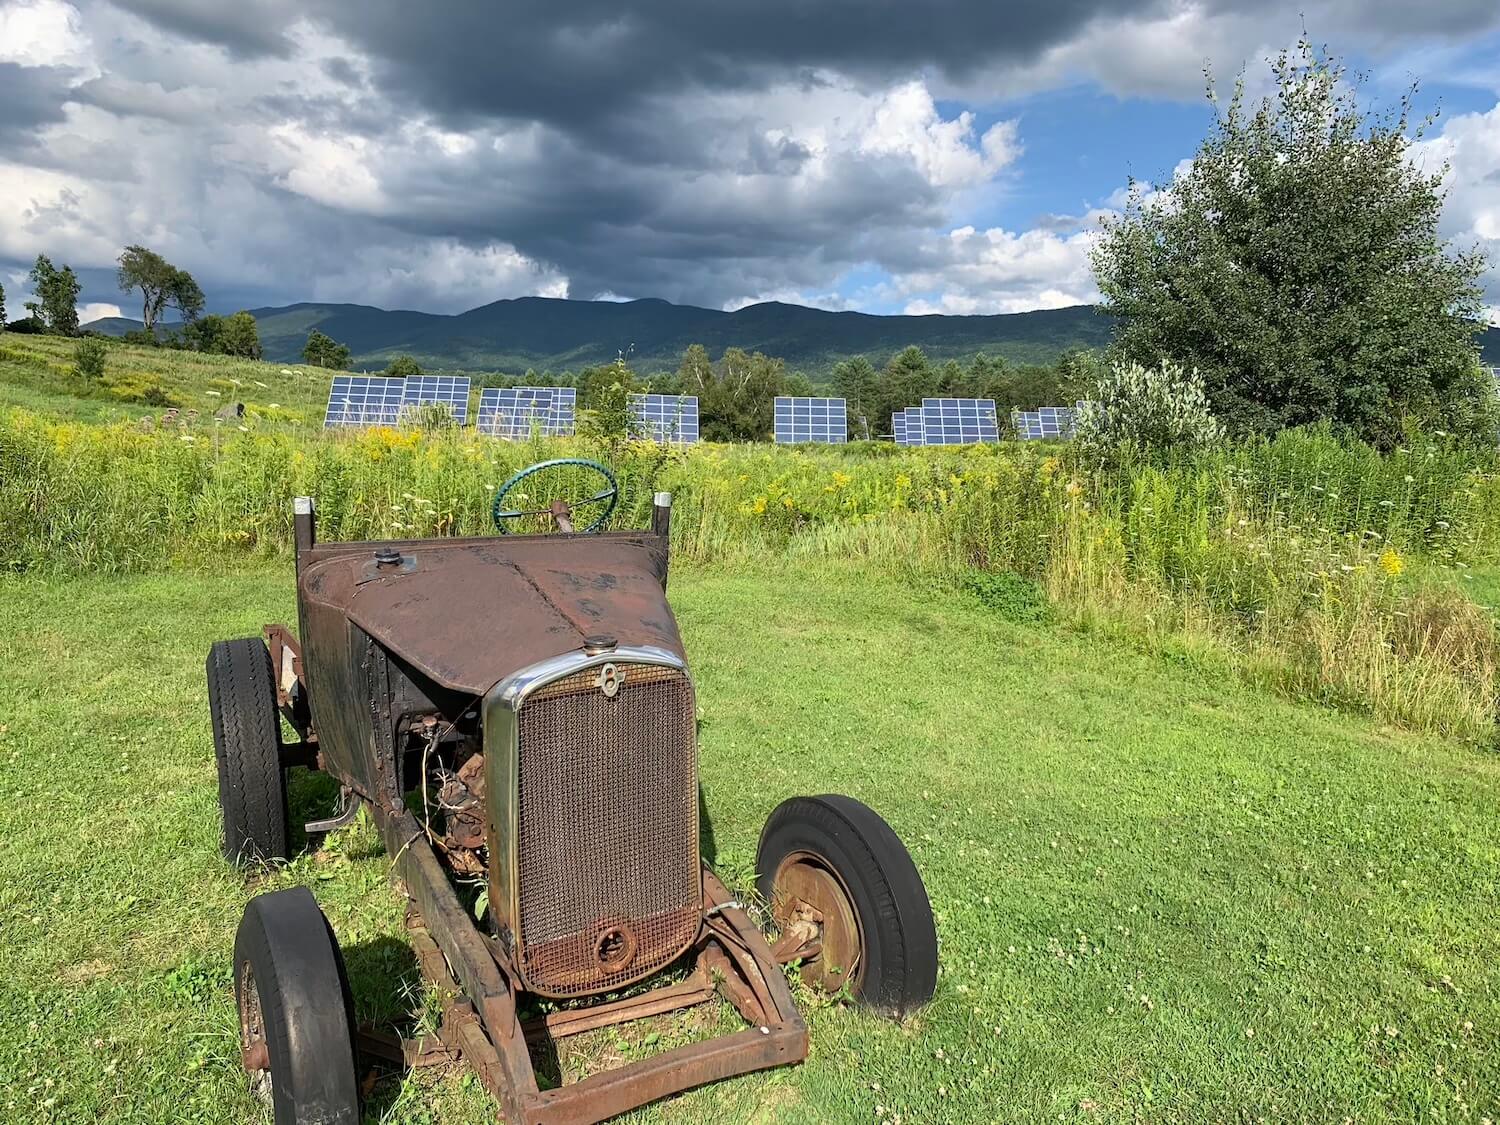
562, 475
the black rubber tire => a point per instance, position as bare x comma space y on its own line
247, 746
897, 934
304, 1005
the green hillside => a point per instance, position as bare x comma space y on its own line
547, 334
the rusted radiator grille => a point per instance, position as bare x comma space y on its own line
610, 887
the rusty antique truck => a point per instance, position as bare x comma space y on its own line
517, 714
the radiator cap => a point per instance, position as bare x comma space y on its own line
597, 643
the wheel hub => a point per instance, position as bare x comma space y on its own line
812, 905
255, 1052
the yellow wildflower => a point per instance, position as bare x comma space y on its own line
760, 505
1391, 562
903, 481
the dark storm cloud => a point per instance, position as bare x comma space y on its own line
245, 29
692, 149
580, 61
30, 97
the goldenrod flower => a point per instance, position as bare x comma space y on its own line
1391, 562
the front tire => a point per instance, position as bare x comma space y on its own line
832, 862
296, 1015
247, 747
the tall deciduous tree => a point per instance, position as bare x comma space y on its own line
736, 400
153, 275
162, 285
56, 302
1297, 265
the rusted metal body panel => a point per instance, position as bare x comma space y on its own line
469, 612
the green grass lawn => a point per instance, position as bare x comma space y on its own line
1160, 897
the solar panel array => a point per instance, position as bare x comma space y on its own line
898, 427
1046, 422
666, 418
450, 390
916, 433
515, 413
364, 400
959, 421
800, 418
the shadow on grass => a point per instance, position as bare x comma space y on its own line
310, 795
386, 987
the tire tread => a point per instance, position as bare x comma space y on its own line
247, 748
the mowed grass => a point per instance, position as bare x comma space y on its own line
1160, 896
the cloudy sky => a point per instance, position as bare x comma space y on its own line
949, 156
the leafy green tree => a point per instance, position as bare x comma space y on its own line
736, 400
322, 351
204, 334
239, 335
55, 305
1297, 265
153, 275
402, 367
2, 308
184, 295
855, 381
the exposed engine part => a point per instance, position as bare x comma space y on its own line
460, 797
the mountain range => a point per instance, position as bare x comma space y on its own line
549, 334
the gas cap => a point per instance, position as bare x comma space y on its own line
387, 556
597, 643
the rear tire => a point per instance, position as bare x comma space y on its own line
847, 864
296, 1016
247, 746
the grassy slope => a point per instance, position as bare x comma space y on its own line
1132, 868
37, 372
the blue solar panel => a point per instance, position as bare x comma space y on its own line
515, 413
450, 390
564, 412
1052, 422
958, 421
363, 400
666, 418
800, 418
914, 432
898, 427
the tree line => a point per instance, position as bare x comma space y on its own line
53, 309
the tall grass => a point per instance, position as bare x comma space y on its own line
1286, 558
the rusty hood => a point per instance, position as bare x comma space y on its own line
469, 612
